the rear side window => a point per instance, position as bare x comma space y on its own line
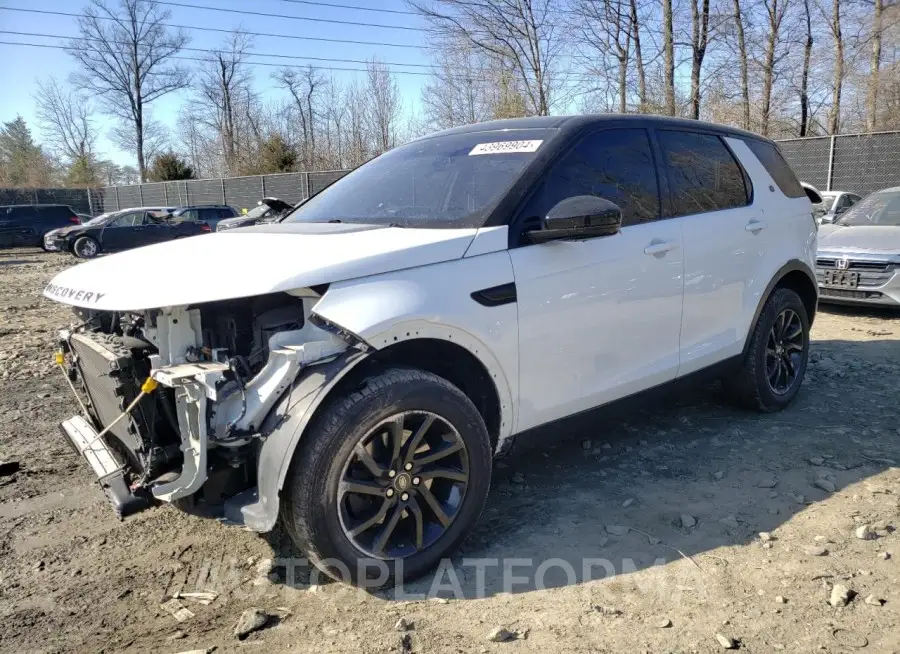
703, 174
777, 167
615, 164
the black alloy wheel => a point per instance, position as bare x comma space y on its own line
403, 485
784, 352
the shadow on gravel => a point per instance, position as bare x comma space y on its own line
13, 262
618, 495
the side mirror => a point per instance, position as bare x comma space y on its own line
582, 216
812, 193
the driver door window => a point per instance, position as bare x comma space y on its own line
617, 165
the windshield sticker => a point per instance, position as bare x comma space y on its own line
505, 147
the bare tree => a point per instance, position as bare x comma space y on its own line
669, 55
742, 60
699, 43
834, 24
384, 106
638, 56
125, 57
804, 76
458, 93
224, 82
775, 12
874, 66
604, 27
65, 118
304, 85
524, 33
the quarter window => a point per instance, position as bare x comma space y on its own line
614, 164
703, 173
777, 167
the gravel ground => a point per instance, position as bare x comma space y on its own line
689, 527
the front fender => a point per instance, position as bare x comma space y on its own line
435, 302
258, 508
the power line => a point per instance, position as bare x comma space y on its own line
227, 31
337, 6
213, 50
253, 63
333, 21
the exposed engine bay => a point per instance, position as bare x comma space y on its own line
178, 395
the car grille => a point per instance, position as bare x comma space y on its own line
110, 381
871, 273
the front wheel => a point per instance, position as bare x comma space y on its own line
777, 356
389, 479
85, 248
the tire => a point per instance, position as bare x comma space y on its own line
752, 386
316, 515
85, 247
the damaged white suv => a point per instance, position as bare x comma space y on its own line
353, 369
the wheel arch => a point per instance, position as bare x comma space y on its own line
797, 276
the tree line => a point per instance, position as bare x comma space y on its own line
782, 68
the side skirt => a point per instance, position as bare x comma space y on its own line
576, 424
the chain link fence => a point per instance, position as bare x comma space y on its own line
239, 192
860, 163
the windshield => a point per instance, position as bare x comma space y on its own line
102, 218
258, 211
880, 209
441, 182
828, 201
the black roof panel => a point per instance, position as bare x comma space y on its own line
586, 120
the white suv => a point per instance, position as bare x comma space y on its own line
354, 368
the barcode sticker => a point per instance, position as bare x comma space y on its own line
505, 147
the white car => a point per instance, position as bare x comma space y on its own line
352, 369
834, 203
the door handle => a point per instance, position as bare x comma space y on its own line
660, 247
137, 229
756, 225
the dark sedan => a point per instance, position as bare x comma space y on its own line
123, 230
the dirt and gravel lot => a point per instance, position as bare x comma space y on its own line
637, 535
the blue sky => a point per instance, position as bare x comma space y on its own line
21, 67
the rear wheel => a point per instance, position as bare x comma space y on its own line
389, 479
776, 359
85, 247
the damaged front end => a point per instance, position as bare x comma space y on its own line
180, 404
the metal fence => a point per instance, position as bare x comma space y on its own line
77, 198
860, 163
239, 192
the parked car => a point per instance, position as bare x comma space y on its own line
833, 204
123, 230
24, 225
859, 255
268, 210
212, 215
51, 244
405, 324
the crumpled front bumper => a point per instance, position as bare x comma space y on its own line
110, 473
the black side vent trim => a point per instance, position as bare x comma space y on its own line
496, 295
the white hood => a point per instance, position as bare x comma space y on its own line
251, 261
